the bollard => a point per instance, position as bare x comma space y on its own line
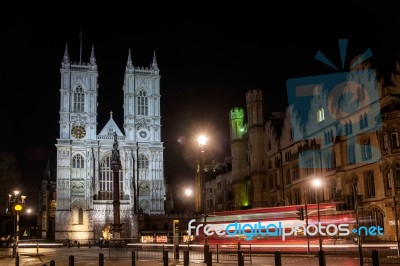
321, 258
186, 258
206, 249
240, 258
71, 260
16, 260
165, 257
238, 245
176, 256
375, 258
278, 259
89, 245
209, 258
133, 258
37, 248
52, 263
79, 244
14, 250
101, 259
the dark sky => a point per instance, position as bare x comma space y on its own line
208, 56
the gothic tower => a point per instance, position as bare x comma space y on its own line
256, 143
142, 126
84, 172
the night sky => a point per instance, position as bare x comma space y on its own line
208, 56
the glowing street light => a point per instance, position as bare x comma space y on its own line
16, 202
188, 194
202, 140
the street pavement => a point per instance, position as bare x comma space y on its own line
90, 256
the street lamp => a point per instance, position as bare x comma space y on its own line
202, 140
29, 211
317, 183
188, 194
16, 202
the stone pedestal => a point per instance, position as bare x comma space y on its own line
135, 227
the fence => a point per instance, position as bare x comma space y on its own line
195, 252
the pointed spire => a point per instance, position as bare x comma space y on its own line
47, 172
154, 64
129, 64
66, 59
66, 62
92, 57
111, 114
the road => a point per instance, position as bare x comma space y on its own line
90, 256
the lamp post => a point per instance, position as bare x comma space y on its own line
202, 140
16, 202
321, 256
29, 211
188, 194
317, 184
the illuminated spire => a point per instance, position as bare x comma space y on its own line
129, 64
92, 57
66, 59
154, 64
66, 62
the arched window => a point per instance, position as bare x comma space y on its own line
397, 175
351, 156
374, 217
366, 149
80, 216
387, 179
143, 162
395, 138
106, 180
320, 115
78, 161
142, 103
365, 120
110, 131
370, 184
385, 140
79, 100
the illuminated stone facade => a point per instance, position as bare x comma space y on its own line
84, 174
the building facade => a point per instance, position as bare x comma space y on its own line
356, 153
84, 175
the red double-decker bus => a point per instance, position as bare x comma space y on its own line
250, 226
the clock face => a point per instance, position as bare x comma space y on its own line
143, 134
78, 132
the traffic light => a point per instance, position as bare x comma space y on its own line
300, 213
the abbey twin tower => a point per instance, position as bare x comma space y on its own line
84, 173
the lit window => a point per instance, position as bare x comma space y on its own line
320, 115
79, 100
142, 103
78, 161
106, 180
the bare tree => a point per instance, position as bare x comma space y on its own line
9, 177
